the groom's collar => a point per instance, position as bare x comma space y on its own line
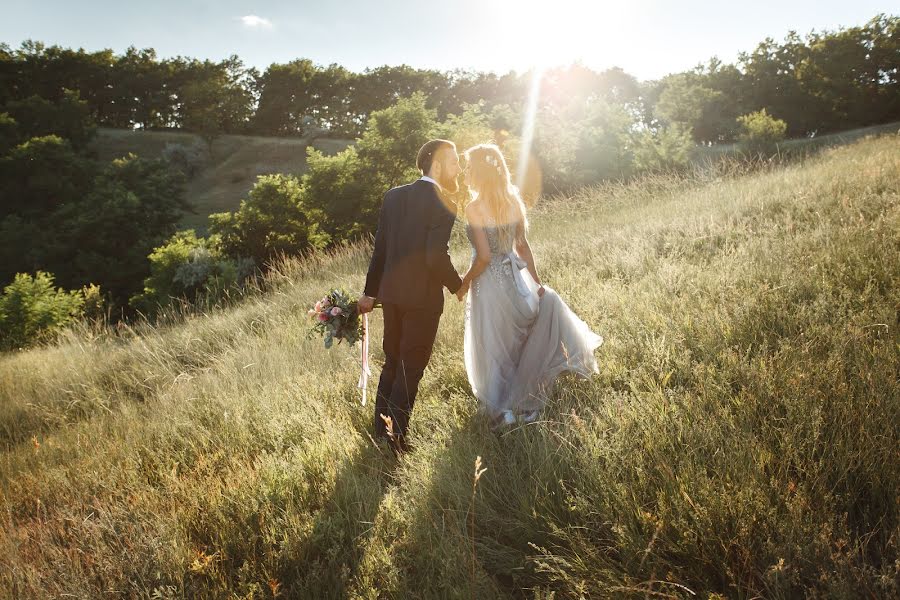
429, 179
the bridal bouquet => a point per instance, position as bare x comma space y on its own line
336, 318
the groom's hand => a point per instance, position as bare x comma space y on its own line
461, 292
365, 304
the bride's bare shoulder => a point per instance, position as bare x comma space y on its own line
473, 213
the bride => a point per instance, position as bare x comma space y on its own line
519, 334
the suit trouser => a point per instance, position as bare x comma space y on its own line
408, 341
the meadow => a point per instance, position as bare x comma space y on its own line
740, 441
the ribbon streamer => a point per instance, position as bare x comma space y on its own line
364, 375
517, 264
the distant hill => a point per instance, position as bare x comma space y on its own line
229, 171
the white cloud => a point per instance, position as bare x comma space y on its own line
256, 22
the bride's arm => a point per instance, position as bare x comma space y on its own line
524, 251
482, 249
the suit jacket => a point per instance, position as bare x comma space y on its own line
411, 264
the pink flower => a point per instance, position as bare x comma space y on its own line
336, 311
323, 317
312, 313
318, 306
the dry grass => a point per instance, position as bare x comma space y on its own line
741, 439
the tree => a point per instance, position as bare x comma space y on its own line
685, 100
216, 98
601, 151
41, 175
201, 112
132, 207
70, 118
284, 98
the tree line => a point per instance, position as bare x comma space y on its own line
823, 82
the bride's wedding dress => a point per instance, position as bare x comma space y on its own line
516, 343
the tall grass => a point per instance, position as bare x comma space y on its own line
741, 440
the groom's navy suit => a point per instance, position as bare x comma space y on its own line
410, 266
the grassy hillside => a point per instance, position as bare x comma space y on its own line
230, 169
741, 440
802, 146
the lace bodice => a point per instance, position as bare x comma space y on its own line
492, 231
505, 265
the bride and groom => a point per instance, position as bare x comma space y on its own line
519, 334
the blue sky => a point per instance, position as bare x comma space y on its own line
647, 38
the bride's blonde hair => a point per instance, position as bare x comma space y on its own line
491, 183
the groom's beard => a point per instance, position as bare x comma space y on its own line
450, 185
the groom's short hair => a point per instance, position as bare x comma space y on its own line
428, 151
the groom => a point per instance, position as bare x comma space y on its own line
410, 266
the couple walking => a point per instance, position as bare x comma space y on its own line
519, 334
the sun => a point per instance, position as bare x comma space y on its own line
542, 34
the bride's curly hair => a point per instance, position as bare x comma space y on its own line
491, 183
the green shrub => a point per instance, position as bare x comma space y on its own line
667, 148
761, 132
273, 220
188, 159
31, 310
186, 267
9, 133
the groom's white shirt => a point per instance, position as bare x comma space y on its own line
427, 178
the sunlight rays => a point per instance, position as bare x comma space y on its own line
528, 127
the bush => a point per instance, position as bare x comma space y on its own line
188, 160
95, 304
9, 133
761, 132
187, 267
273, 220
31, 310
668, 148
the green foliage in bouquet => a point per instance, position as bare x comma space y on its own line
337, 318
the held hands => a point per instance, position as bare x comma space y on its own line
540, 292
461, 292
365, 304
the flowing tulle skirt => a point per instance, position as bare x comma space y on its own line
516, 344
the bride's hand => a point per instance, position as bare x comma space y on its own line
461, 292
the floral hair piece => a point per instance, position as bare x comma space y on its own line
492, 160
